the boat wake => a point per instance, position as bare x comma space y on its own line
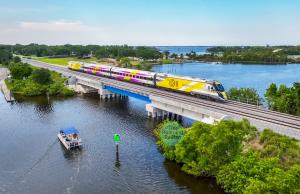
21, 178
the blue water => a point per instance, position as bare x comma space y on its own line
237, 75
184, 49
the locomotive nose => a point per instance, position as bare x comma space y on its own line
224, 95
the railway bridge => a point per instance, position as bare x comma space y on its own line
161, 103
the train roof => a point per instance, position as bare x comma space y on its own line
147, 73
183, 77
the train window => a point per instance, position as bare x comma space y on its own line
219, 87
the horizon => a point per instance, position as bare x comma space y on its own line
138, 23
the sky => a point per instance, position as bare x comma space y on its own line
150, 22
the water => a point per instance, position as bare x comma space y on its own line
184, 49
238, 75
33, 160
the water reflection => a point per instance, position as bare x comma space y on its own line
194, 185
42, 104
117, 162
73, 154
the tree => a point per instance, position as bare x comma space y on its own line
20, 70
166, 54
102, 53
125, 62
147, 53
284, 99
5, 56
205, 148
173, 55
41, 76
16, 59
248, 95
181, 56
271, 95
169, 134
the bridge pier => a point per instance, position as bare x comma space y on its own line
169, 109
105, 94
161, 114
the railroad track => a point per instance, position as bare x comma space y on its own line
233, 107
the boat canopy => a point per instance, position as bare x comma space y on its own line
70, 130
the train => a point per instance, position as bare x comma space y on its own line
201, 88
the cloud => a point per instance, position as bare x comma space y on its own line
59, 25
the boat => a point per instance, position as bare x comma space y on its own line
70, 138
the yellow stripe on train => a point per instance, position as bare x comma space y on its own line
173, 83
196, 86
180, 84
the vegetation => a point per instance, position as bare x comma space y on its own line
284, 99
247, 95
241, 159
63, 61
165, 61
5, 56
30, 81
251, 55
20, 70
81, 51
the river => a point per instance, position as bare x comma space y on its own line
33, 160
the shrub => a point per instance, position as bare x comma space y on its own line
248, 95
67, 92
42, 76
205, 148
169, 134
20, 70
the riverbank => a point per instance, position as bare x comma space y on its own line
6, 92
240, 158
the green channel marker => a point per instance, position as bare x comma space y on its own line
117, 138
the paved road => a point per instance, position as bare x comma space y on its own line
261, 118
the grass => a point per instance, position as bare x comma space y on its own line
64, 61
165, 61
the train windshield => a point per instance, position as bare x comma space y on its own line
219, 87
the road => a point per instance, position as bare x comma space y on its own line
262, 118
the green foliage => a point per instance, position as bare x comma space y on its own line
169, 134
20, 70
166, 54
252, 55
286, 149
5, 56
165, 61
125, 62
79, 51
248, 95
250, 173
67, 92
38, 84
205, 148
16, 59
42, 76
221, 150
284, 99
33, 89
147, 53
